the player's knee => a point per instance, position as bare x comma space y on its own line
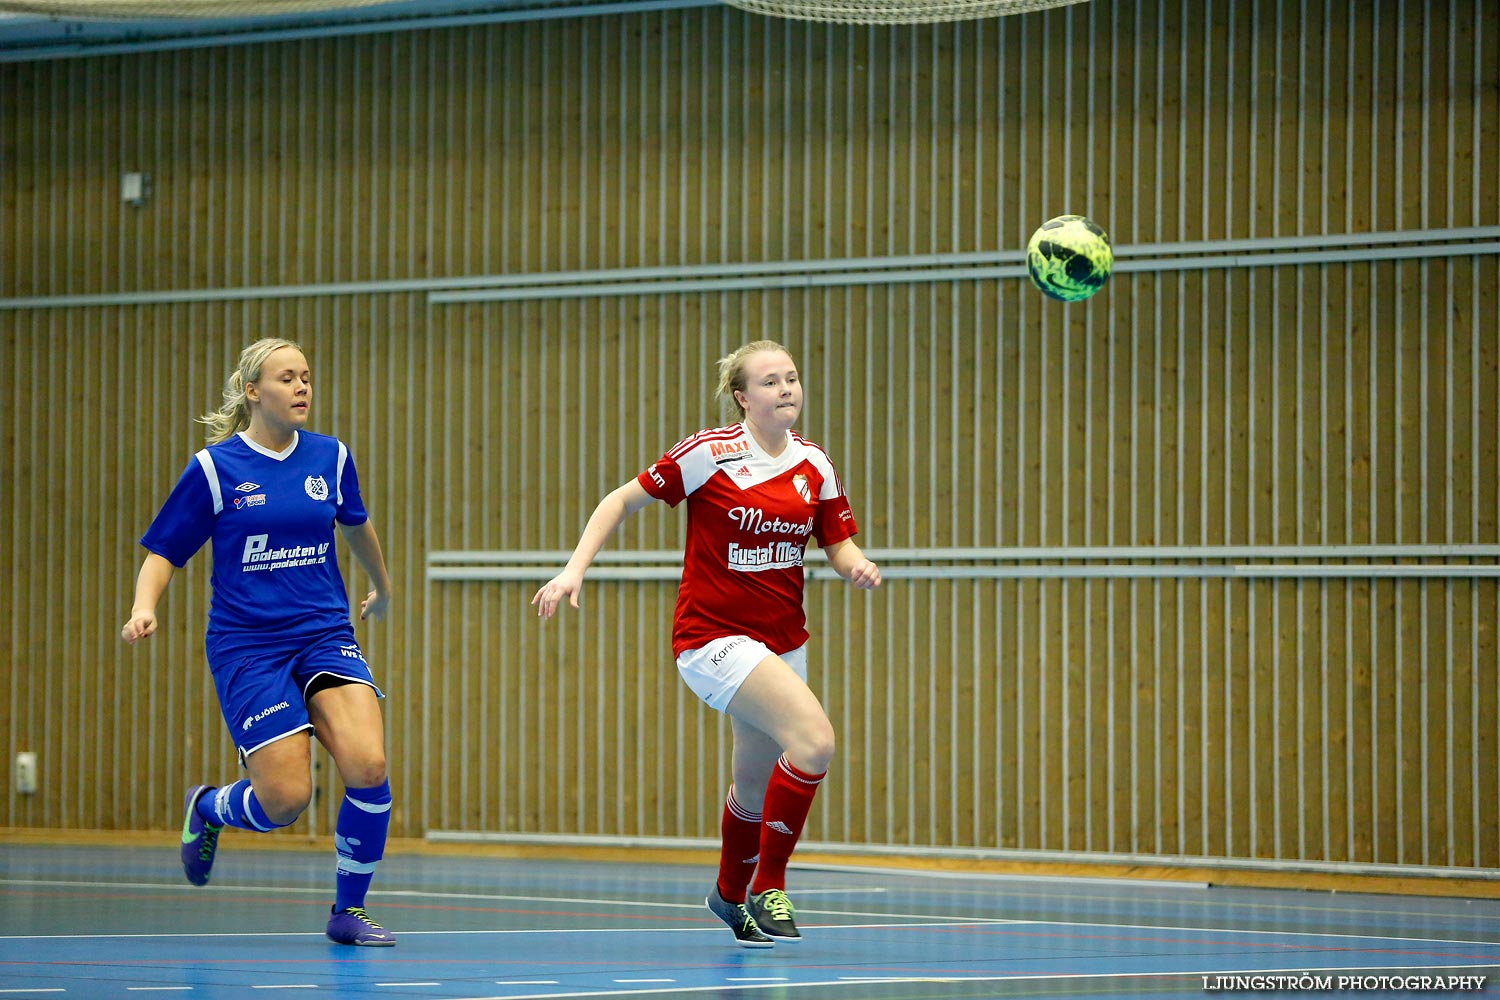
823, 749
283, 803
366, 771
814, 751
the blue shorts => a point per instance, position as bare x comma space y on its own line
263, 680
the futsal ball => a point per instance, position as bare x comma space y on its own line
1069, 258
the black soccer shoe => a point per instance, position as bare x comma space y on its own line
772, 913
746, 934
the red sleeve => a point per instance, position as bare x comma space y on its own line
663, 480
834, 521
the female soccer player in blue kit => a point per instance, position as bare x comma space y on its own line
280, 643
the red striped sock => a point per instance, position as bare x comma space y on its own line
789, 797
739, 849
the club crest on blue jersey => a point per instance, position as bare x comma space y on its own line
316, 488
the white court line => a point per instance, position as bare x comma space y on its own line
1236, 930
420, 894
515, 930
526, 982
695, 906
938, 920
1189, 974
674, 930
154, 989
382, 893
1157, 883
936, 923
894, 873
187, 934
981, 922
408, 984
591, 901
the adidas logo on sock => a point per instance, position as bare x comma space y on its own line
780, 827
751, 861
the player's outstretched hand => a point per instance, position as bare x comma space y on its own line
142, 625
374, 606
865, 575
549, 598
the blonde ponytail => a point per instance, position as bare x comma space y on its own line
234, 415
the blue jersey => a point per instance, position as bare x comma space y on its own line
271, 519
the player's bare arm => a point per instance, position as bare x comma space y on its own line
609, 515
848, 561
150, 583
365, 545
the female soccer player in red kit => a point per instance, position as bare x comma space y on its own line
755, 491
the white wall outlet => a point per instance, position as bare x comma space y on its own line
26, 773
135, 188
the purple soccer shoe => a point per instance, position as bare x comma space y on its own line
354, 926
200, 839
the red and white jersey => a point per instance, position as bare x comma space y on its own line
749, 518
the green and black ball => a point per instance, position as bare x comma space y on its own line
1069, 258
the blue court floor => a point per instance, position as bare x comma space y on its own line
109, 923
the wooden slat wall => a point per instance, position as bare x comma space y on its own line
1238, 718
1283, 404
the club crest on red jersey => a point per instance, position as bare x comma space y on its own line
799, 482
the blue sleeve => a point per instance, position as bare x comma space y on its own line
351, 510
185, 521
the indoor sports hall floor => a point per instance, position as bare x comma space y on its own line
116, 922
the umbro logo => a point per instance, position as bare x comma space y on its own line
247, 487
780, 827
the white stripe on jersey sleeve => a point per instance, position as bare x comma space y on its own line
211, 472
338, 475
713, 433
820, 460
695, 458
696, 465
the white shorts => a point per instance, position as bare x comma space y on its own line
716, 671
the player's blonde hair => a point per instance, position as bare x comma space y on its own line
732, 375
234, 415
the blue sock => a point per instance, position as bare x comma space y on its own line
359, 837
235, 805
